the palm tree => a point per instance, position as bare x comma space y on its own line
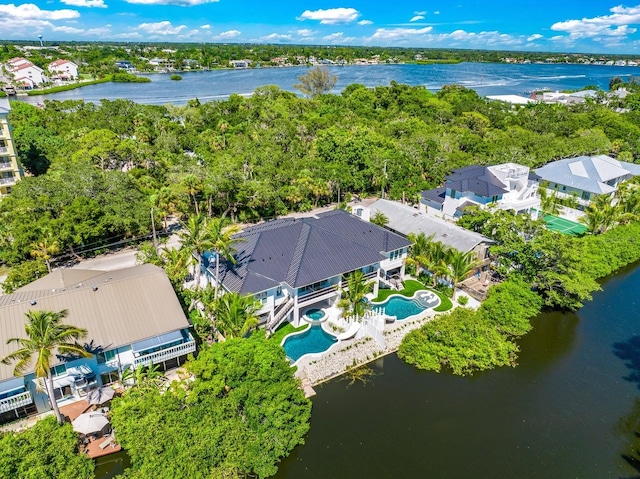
45, 333
548, 202
438, 260
222, 236
600, 215
176, 262
419, 251
45, 249
380, 219
235, 315
460, 266
195, 239
354, 296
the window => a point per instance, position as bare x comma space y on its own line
110, 377
59, 370
106, 356
586, 195
396, 254
279, 291
262, 297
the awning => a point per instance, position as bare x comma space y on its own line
161, 340
63, 381
81, 370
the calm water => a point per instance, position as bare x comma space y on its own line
313, 340
559, 414
485, 78
400, 307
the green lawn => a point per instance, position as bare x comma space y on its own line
410, 287
283, 330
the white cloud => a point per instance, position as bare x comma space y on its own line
228, 35
85, 3
534, 37
365, 22
333, 36
29, 11
99, 31
331, 16
276, 37
437, 12
420, 12
161, 28
69, 30
614, 25
417, 18
205, 27
305, 32
179, 3
399, 33
129, 35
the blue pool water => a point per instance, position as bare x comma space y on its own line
313, 340
315, 314
400, 307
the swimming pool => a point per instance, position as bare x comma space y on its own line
315, 314
311, 340
402, 307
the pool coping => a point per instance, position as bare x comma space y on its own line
310, 355
413, 316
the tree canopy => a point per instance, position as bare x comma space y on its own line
242, 414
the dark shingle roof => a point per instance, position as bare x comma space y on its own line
436, 195
477, 180
305, 251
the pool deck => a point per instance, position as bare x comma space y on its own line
313, 370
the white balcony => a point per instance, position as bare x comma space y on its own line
14, 402
158, 357
6, 165
4, 149
7, 181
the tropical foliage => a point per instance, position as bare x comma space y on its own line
353, 299
45, 334
242, 414
44, 451
234, 315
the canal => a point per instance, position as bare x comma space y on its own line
570, 408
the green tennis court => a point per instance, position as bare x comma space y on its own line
564, 226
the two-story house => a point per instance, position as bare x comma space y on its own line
132, 316
507, 186
292, 264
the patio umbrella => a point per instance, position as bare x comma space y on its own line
100, 396
89, 422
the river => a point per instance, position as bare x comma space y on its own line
563, 412
485, 78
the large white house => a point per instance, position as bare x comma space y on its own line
292, 264
63, 70
25, 74
132, 316
507, 186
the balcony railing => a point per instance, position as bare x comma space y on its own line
317, 293
4, 149
6, 165
14, 402
370, 275
7, 181
166, 354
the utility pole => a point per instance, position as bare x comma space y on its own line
153, 227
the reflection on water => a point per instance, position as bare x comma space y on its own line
110, 466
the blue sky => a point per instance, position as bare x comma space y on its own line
544, 25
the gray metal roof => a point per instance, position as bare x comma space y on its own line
405, 219
305, 251
475, 179
587, 173
116, 307
437, 195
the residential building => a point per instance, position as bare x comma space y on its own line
404, 219
25, 74
586, 177
10, 170
132, 316
240, 63
507, 186
63, 70
292, 264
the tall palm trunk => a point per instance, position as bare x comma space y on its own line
52, 398
215, 287
198, 272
